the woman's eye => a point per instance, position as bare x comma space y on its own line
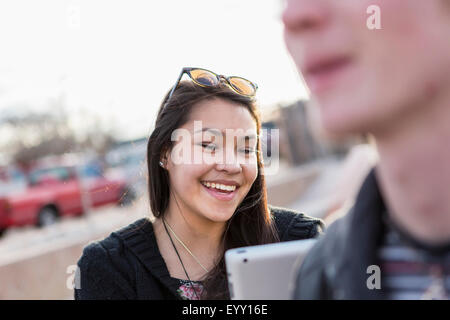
209, 146
248, 150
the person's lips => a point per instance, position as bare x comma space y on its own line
322, 73
224, 190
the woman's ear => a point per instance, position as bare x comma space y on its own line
163, 162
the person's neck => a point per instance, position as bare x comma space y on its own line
414, 171
202, 236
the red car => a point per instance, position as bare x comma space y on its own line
55, 192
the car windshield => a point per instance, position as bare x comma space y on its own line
59, 173
91, 170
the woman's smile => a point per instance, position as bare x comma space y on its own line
224, 191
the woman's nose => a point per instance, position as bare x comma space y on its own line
230, 162
231, 168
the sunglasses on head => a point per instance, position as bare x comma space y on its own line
206, 78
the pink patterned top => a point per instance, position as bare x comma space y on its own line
188, 291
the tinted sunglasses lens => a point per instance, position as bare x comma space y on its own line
242, 86
204, 78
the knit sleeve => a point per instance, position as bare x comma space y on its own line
305, 227
98, 278
292, 225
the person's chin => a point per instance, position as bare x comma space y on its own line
342, 117
219, 215
339, 128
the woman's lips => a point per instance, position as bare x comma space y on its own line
224, 196
324, 74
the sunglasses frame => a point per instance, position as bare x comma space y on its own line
219, 77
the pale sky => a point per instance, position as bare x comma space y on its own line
119, 58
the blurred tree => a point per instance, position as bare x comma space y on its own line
29, 135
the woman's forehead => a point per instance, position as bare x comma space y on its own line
221, 114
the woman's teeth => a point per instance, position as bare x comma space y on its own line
219, 186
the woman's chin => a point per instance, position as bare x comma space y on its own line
217, 214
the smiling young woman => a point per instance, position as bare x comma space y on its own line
200, 208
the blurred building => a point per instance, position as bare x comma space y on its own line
297, 142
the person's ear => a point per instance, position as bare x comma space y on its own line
163, 161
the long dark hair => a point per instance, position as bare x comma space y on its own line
251, 223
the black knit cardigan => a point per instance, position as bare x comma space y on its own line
128, 264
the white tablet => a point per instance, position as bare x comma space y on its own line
265, 272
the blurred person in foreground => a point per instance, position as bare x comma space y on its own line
202, 206
393, 83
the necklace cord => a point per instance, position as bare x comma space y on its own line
187, 249
179, 258
179, 240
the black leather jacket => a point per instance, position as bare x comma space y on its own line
336, 267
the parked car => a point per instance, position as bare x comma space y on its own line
12, 180
128, 160
58, 191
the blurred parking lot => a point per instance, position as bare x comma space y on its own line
34, 261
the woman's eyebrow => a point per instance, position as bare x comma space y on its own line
219, 132
213, 131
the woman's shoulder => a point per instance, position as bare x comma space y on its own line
108, 261
114, 242
294, 225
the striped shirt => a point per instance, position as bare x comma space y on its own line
412, 273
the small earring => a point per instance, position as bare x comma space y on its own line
161, 164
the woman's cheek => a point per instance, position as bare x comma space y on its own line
250, 173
